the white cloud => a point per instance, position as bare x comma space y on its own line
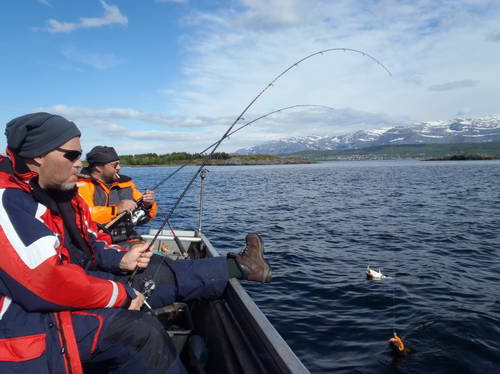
118, 126
449, 86
44, 2
493, 37
235, 52
79, 113
99, 61
167, 92
269, 14
112, 15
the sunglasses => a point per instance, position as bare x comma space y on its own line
70, 154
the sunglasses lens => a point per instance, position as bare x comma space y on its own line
72, 155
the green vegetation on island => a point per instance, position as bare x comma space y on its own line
463, 157
488, 151
218, 158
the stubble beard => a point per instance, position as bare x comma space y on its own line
68, 186
112, 179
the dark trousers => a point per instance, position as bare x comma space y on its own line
123, 341
181, 280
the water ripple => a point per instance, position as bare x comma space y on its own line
433, 227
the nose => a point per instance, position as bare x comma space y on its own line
78, 163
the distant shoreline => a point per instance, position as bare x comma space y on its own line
233, 161
464, 157
423, 152
444, 151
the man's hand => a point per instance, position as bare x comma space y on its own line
127, 205
148, 198
136, 303
137, 256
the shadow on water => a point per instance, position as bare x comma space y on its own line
433, 227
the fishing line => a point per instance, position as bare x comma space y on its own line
176, 239
118, 218
238, 118
394, 309
238, 129
393, 179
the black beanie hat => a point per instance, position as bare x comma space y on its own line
35, 134
100, 155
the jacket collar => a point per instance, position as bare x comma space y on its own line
19, 168
14, 173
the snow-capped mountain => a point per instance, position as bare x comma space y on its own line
459, 130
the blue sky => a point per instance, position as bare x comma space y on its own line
172, 75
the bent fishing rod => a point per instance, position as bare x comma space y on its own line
270, 84
124, 214
238, 118
238, 129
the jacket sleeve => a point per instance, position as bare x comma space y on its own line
32, 272
108, 255
100, 214
153, 211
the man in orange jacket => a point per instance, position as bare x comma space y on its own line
113, 197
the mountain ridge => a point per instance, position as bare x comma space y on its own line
457, 130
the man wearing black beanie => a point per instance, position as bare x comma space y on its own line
65, 305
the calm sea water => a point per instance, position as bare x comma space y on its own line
432, 226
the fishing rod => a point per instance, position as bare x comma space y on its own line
227, 135
136, 217
270, 84
238, 129
238, 118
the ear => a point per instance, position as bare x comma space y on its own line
99, 168
37, 161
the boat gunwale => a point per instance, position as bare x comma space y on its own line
268, 331
283, 355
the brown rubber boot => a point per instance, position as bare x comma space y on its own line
251, 261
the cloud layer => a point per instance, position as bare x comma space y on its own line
112, 15
237, 51
443, 56
449, 86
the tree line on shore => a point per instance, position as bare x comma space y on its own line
218, 158
169, 158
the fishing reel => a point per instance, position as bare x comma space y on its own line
139, 216
148, 288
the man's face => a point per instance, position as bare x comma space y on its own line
109, 172
58, 168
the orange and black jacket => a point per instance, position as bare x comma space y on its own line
103, 199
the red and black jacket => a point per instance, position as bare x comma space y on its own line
38, 281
